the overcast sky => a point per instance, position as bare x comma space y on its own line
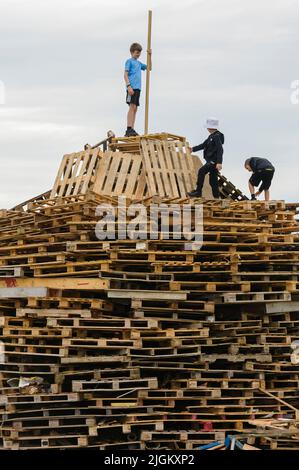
62, 66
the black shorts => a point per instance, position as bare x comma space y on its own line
264, 177
134, 99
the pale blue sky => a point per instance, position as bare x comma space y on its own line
62, 66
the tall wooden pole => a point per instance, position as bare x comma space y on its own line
148, 70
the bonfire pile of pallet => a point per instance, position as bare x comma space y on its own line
135, 167
142, 344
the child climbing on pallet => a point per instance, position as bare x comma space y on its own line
132, 77
262, 172
213, 154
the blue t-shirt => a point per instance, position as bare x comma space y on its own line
134, 67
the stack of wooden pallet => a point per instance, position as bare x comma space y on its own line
139, 167
136, 167
140, 344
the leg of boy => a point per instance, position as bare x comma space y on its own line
131, 115
251, 187
201, 177
135, 112
254, 182
267, 177
214, 182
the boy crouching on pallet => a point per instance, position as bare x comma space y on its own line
262, 172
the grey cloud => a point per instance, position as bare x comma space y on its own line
62, 64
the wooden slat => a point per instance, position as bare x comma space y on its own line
169, 163
136, 170
148, 170
155, 169
102, 173
120, 184
59, 176
187, 163
70, 186
180, 169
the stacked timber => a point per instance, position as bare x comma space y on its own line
142, 344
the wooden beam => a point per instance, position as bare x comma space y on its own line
282, 307
76, 283
146, 294
22, 292
148, 70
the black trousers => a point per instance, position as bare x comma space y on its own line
213, 172
264, 176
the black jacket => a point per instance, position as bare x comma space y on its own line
259, 164
212, 147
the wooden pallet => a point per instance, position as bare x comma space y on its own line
76, 173
121, 174
168, 167
132, 144
229, 190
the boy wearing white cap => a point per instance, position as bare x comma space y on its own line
213, 154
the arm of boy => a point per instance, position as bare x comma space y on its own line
127, 81
126, 77
219, 153
199, 147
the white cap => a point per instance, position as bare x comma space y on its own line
212, 123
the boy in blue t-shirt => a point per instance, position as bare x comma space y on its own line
132, 77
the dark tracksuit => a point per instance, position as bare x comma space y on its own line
213, 153
262, 172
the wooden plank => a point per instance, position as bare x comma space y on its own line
169, 164
144, 294
58, 178
155, 168
11, 271
66, 174
122, 177
178, 168
74, 178
54, 283
274, 307
189, 173
151, 184
164, 168
92, 170
133, 176
111, 174
21, 292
